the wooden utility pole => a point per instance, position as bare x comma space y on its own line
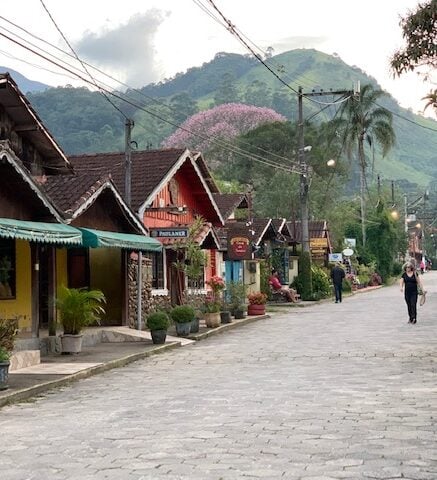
129, 124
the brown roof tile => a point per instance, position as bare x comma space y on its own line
228, 202
149, 168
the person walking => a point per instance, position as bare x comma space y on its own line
337, 276
409, 283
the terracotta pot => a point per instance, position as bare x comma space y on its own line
256, 309
212, 320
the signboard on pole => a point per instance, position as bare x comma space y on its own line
350, 242
335, 257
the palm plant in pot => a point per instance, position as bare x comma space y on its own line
257, 303
8, 332
78, 308
158, 323
182, 316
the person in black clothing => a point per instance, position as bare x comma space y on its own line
337, 275
409, 283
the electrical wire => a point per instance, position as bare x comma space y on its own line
124, 95
79, 60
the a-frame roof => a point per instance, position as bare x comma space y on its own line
229, 202
28, 124
151, 170
74, 194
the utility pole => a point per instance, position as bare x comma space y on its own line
128, 162
129, 124
303, 167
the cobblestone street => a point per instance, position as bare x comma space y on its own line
331, 391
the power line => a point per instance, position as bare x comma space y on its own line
81, 62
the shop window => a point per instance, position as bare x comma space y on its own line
7, 268
157, 269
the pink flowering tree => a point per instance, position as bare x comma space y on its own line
204, 130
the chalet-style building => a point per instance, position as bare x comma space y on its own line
170, 188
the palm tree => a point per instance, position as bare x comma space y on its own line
364, 119
431, 98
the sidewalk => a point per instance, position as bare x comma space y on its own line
58, 370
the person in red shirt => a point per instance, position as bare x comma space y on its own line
276, 284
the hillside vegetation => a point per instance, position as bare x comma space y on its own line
84, 122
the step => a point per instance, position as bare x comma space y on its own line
24, 358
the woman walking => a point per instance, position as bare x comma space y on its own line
409, 283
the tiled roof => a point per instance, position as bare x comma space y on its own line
228, 202
149, 168
70, 192
255, 231
317, 229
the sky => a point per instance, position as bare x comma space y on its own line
143, 41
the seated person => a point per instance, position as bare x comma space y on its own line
276, 284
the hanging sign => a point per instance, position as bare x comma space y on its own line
348, 252
239, 248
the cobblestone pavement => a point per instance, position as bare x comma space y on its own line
332, 391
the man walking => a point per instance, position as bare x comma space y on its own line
337, 275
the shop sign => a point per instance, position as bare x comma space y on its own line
169, 233
318, 243
239, 248
335, 257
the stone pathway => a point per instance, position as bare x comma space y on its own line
332, 391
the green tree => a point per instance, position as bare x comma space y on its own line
363, 119
258, 94
183, 106
419, 30
227, 91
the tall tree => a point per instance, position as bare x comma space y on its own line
227, 91
364, 120
419, 30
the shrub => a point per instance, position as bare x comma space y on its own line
257, 298
8, 332
158, 321
320, 283
236, 294
4, 354
182, 314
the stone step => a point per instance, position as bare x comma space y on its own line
24, 358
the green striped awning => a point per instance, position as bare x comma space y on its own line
40, 231
102, 238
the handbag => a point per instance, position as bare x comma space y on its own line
422, 297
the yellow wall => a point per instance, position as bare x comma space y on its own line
106, 275
61, 268
21, 306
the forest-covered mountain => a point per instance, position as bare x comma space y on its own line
84, 122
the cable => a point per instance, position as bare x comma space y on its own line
77, 57
405, 118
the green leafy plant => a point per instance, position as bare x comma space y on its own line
79, 308
236, 294
158, 321
182, 314
211, 305
4, 355
320, 283
8, 332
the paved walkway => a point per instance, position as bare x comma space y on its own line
334, 391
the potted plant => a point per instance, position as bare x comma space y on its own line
158, 323
225, 313
78, 308
236, 292
8, 332
257, 303
212, 312
182, 316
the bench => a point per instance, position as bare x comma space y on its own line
280, 296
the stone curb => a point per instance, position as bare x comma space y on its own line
27, 393
226, 326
